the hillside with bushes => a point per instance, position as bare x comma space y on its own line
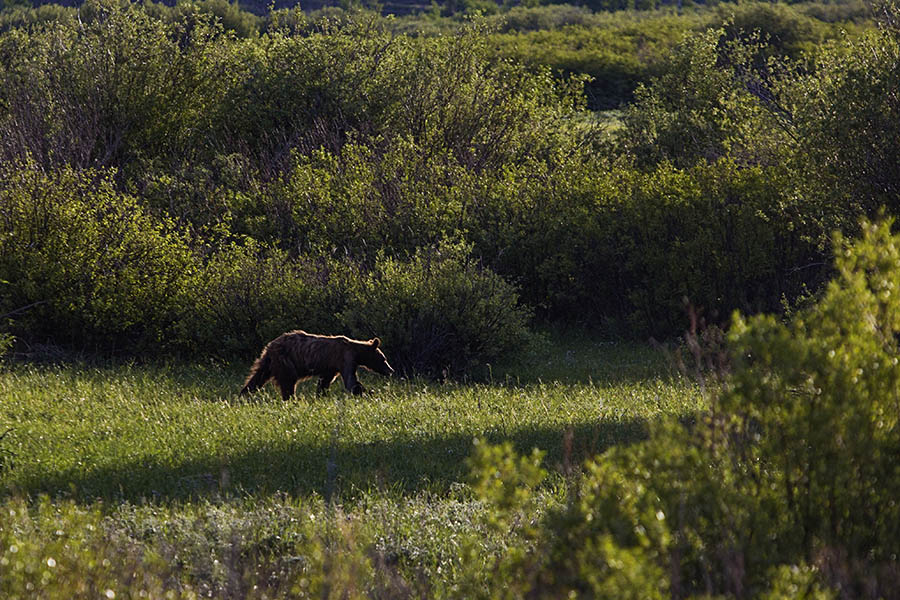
169, 185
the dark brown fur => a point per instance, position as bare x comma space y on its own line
297, 355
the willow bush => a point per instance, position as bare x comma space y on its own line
786, 487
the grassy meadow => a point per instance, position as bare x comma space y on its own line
192, 181
169, 459
181, 432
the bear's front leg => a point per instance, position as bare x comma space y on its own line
351, 382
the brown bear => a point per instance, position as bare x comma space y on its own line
297, 355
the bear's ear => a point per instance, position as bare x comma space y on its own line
375, 342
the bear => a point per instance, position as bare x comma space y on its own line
297, 355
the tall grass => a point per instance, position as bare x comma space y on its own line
161, 432
166, 461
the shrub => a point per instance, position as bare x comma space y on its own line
362, 200
96, 271
113, 89
699, 109
786, 31
787, 487
538, 18
246, 295
592, 242
846, 118
439, 311
617, 53
358, 82
244, 24
820, 394
720, 236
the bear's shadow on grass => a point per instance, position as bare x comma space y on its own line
330, 470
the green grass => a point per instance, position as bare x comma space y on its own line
175, 432
172, 463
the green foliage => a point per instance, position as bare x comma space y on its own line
97, 272
439, 312
361, 201
326, 144
629, 245
105, 92
699, 109
848, 12
821, 392
244, 296
55, 551
845, 118
6, 339
536, 18
24, 15
604, 542
94, 268
784, 30
617, 54
317, 91
786, 488
800, 582
187, 14
715, 235
6, 342
504, 480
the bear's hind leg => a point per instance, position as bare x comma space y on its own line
324, 382
286, 378
286, 384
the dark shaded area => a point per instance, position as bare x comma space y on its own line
329, 470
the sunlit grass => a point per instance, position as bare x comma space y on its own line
157, 432
229, 490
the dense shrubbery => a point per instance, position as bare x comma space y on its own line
846, 119
276, 176
86, 264
786, 488
617, 54
245, 295
440, 310
92, 270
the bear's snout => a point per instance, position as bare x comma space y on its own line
385, 369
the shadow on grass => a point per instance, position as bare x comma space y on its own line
578, 359
337, 470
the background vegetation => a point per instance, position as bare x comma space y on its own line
164, 174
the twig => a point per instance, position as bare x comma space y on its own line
23, 309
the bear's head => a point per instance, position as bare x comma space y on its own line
373, 358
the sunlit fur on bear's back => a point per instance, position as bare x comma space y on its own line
311, 353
